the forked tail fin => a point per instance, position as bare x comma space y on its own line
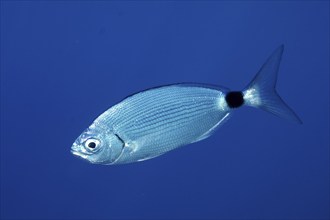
261, 92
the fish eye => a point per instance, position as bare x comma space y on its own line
92, 143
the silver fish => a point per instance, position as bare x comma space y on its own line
155, 121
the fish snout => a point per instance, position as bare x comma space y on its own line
74, 148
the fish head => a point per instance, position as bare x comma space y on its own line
97, 145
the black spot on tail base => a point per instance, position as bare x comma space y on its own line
234, 99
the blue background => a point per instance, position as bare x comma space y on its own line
64, 63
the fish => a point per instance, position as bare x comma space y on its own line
155, 121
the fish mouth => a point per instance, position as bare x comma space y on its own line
75, 151
78, 154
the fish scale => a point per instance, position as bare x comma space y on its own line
174, 118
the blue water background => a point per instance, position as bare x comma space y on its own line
64, 63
